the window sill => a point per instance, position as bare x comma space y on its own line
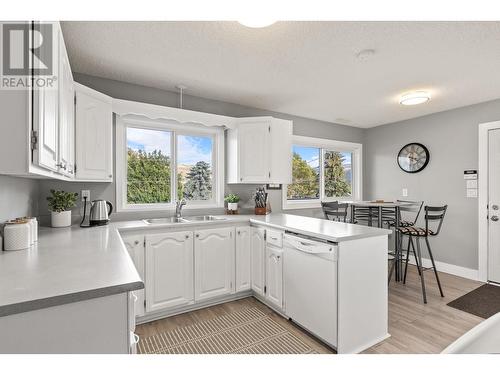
169, 207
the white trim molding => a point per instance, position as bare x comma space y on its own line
452, 269
171, 114
329, 144
483, 197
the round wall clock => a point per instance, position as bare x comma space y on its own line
413, 157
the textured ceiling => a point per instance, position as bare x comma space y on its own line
308, 69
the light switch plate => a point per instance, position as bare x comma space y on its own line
405, 192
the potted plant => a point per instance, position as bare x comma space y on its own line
60, 205
232, 202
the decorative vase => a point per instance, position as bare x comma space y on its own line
60, 219
232, 206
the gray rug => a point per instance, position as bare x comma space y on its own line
483, 301
249, 331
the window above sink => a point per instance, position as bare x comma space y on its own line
159, 162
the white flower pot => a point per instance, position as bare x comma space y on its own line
232, 206
61, 219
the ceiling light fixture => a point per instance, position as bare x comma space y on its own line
257, 23
414, 98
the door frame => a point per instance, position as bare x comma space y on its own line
484, 128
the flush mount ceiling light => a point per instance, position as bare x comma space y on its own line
257, 23
414, 98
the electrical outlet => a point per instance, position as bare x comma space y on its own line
405, 192
85, 194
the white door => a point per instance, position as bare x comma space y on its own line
169, 270
254, 149
135, 248
243, 256
214, 263
66, 114
494, 205
274, 276
258, 253
46, 116
94, 143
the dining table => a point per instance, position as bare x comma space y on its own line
392, 212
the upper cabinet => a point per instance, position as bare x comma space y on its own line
259, 150
94, 135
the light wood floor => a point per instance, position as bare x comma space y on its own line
414, 327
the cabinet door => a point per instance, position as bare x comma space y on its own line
281, 151
214, 263
94, 123
274, 276
66, 114
258, 247
169, 270
243, 256
254, 150
46, 115
135, 248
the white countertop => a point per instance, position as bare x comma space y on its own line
73, 264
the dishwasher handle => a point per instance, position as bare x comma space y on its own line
309, 246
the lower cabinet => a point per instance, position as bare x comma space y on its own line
169, 270
243, 259
214, 263
135, 247
258, 250
274, 276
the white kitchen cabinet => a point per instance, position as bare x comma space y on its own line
135, 248
258, 253
259, 150
214, 262
243, 259
66, 159
274, 276
39, 122
169, 270
94, 135
46, 114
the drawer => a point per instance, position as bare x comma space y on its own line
274, 237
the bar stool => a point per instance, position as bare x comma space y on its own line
335, 211
432, 214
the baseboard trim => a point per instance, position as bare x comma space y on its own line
452, 269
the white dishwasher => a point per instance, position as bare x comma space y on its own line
310, 280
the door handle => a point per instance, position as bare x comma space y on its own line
494, 218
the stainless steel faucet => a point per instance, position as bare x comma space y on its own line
178, 207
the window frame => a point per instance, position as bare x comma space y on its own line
328, 145
217, 135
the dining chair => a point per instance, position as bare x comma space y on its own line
410, 207
335, 211
433, 215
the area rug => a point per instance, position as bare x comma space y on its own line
249, 331
483, 301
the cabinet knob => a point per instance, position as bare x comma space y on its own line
136, 242
239, 232
110, 176
241, 178
187, 236
197, 235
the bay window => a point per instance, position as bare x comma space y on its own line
323, 170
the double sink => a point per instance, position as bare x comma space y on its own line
187, 219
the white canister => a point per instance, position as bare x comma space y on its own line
17, 235
34, 228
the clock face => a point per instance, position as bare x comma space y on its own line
413, 157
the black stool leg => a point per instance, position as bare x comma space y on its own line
407, 259
434, 266
419, 254
415, 256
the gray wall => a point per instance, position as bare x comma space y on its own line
18, 197
452, 140
127, 91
